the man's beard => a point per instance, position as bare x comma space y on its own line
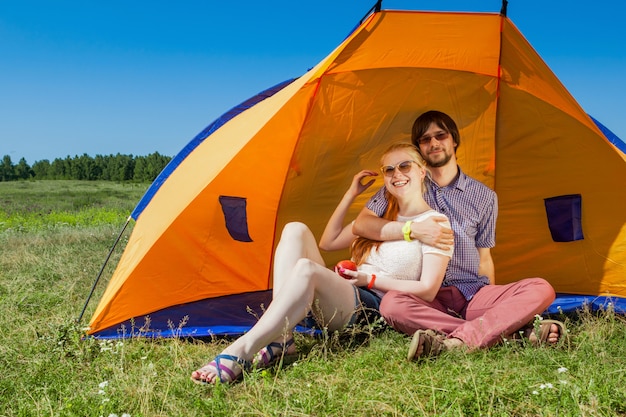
440, 162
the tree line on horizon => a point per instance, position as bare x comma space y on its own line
117, 167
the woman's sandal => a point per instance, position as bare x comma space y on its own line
273, 353
242, 364
431, 341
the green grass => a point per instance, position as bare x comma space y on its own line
37, 205
46, 272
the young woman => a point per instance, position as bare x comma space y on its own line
305, 289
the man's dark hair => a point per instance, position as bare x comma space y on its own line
445, 122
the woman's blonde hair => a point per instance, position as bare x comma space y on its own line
362, 246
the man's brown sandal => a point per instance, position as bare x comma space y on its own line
430, 340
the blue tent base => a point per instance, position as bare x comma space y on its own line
235, 314
571, 303
231, 315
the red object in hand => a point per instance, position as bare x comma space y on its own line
342, 266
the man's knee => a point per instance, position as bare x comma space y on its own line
539, 288
546, 288
391, 304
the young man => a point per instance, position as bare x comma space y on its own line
469, 309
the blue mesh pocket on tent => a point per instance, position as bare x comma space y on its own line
234, 209
564, 217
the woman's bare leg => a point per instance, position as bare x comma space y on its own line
310, 284
296, 242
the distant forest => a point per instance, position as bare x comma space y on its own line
103, 167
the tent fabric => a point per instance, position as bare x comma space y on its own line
162, 177
612, 137
201, 318
290, 156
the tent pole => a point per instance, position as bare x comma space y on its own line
93, 287
375, 9
505, 3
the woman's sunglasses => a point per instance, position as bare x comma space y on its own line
404, 167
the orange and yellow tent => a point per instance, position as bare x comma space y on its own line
201, 249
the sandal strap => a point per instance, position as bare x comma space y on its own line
244, 364
432, 344
544, 330
269, 355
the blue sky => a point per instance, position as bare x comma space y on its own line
102, 77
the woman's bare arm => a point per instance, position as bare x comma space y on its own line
433, 271
337, 236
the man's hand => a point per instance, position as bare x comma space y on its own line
431, 232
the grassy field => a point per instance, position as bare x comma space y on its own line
54, 236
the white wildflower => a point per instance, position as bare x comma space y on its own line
535, 392
562, 369
103, 384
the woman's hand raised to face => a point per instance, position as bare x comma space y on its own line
357, 186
